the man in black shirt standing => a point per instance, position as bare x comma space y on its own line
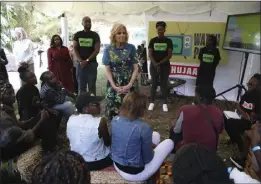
209, 57
86, 45
160, 52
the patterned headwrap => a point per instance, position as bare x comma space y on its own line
4, 86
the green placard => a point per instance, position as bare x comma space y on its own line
85, 42
208, 58
160, 46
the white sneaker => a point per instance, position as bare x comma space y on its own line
165, 108
151, 107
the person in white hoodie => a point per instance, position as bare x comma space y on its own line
23, 49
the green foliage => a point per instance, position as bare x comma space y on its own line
34, 23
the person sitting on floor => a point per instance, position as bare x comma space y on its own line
28, 97
55, 96
15, 136
249, 109
254, 140
201, 123
132, 141
65, 167
92, 139
196, 164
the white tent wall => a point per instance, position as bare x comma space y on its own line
226, 75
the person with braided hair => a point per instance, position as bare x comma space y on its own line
18, 136
65, 167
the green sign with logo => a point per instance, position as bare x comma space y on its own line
85, 42
160, 46
208, 58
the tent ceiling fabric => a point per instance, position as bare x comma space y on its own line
112, 12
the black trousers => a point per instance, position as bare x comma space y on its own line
100, 164
161, 76
75, 80
235, 129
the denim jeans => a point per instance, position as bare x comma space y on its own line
87, 76
67, 108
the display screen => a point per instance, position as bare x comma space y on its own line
177, 42
243, 33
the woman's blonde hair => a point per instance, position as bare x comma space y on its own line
133, 105
115, 29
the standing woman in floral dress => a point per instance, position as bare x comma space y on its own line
121, 63
60, 63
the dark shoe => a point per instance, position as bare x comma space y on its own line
238, 162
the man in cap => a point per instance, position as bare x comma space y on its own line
88, 132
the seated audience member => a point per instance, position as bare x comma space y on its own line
249, 109
92, 139
132, 141
196, 164
15, 136
200, 123
254, 136
65, 167
28, 97
55, 96
3, 63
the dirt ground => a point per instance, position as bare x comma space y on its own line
161, 122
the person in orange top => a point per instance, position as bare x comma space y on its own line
60, 63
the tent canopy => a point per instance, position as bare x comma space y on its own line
133, 12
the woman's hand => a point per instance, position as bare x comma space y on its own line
253, 116
117, 89
246, 116
44, 115
126, 88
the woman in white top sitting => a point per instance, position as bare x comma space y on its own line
23, 49
88, 132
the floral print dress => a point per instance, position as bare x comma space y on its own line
121, 62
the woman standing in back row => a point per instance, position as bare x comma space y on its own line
209, 58
121, 62
160, 52
60, 63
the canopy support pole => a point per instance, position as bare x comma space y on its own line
64, 30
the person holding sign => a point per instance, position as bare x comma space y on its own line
86, 45
209, 57
160, 52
